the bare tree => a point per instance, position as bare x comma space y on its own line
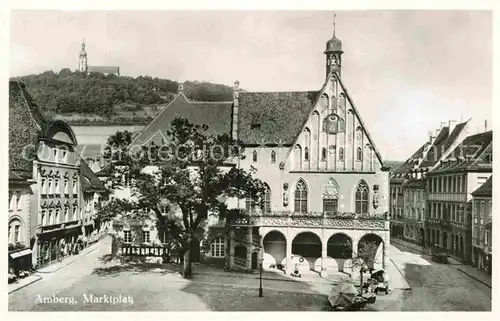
365, 258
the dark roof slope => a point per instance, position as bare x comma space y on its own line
26, 126
442, 144
90, 182
473, 154
279, 114
410, 162
485, 189
217, 115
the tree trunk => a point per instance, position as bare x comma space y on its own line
187, 272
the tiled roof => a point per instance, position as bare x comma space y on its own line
280, 114
439, 146
473, 154
485, 189
217, 115
26, 126
104, 69
410, 162
90, 182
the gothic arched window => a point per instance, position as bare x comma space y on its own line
323, 102
301, 197
254, 156
359, 154
273, 157
323, 153
330, 196
341, 153
266, 199
362, 198
306, 154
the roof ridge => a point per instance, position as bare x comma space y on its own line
157, 116
28, 105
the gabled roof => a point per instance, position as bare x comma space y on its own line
281, 114
104, 69
26, 126
428, 155
90, 181
217, 115
484, 190
473, 154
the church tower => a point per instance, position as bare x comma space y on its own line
333, 53
82, 62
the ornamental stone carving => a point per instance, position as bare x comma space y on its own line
306, 222
274, 221
370, 224
339, 223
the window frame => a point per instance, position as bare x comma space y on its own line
218, 247
125, 234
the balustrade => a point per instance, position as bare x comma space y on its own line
134, 250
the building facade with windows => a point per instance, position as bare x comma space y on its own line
327, 187
449, 197
44, 162
410, 180
482, 227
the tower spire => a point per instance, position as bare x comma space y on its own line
334, 17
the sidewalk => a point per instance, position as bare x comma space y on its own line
70, 259
409, 245
476, 274
13, 287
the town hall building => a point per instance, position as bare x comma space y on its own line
327, 186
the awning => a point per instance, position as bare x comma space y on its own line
20, 253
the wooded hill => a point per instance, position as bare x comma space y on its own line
109, 96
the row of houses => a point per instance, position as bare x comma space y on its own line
442, 195
53, 194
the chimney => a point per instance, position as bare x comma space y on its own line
438, 131
485, 125
431, 137
452, 124
236, 99
443, 124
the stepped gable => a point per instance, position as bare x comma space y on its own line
475, 153
217, 115
26, 126
486, 189
279, 116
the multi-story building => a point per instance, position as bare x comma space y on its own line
409, 180
327, 187
449, 194
20, 225
481, 226
43, 155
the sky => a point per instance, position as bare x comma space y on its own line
406, 71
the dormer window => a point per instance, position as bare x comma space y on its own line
255, 122
488, 158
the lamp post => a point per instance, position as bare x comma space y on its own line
261, 294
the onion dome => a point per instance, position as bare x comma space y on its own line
83, 52
333, 45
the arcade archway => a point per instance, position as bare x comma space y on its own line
371, 250
274, 249
306, 249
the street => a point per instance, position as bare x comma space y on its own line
93, 284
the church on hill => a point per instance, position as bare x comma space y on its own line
84, 67
327, 186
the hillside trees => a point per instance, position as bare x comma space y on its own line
76, 92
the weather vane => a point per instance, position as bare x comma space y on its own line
334, 16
